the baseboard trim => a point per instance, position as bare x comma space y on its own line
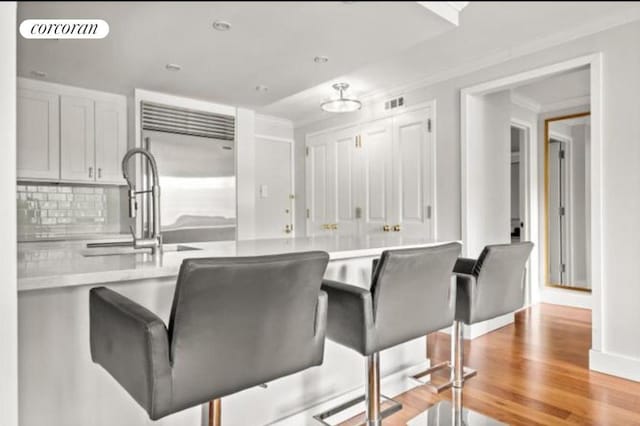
392, 385
615, 365
573, 298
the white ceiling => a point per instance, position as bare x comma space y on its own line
373, 46
270, 43
557, 89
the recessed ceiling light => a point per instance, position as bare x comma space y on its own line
320, 59
221, 25
173, 67
261, 88
40, 74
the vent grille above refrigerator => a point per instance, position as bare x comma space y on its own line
169, 119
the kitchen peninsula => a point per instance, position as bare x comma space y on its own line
54, 283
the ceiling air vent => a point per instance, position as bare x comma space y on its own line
183, 121
394, 103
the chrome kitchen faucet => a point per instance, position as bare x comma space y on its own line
152, 238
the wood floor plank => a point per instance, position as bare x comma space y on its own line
534, 372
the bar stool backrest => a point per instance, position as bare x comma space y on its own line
240, 322
500, 280
413, 293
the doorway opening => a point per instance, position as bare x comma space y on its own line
486, 200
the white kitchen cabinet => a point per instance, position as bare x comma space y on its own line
110, 140
70, 134
373, 178
38, 148
77, 139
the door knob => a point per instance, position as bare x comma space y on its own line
386, 228
396, 228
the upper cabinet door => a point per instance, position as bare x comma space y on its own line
344, 186
110, 141
38, 148
412, 174
77, 140
375, 191
318, 185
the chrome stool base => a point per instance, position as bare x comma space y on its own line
445, 414
437, 388
324, 417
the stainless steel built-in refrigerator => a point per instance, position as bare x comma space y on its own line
196, 163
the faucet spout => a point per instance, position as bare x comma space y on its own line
154, 242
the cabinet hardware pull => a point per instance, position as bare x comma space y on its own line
386, 228
99, 173
90, 172
396, 228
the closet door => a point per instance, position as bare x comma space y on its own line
344, 187
375, 192
412, 174
318, 185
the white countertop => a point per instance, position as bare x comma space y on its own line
62, 264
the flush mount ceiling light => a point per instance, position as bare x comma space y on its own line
221, 25
342, 103
320, 59
173, 67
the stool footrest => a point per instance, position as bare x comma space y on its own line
325, 415
434, 388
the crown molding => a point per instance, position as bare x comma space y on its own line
525, 102
566, 104
447, 10
505, 55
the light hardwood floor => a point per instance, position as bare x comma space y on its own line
535, 372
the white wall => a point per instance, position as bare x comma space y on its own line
620, 181
245, 172
8, 290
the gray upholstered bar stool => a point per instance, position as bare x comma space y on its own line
235, 323
489, 287
412, 294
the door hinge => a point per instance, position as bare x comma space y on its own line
561, 154
562, 211
358, 141
308, 214
563, 267
307, 151
429, 125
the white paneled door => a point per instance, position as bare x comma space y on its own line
274, 203
374, 178
412, 174
77, 159
317, 185
343, 146
376, 192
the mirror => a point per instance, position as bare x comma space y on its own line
567, 181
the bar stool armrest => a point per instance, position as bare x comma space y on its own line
350, 315
132, 344
464, 265
465, 296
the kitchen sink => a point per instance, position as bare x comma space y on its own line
124, 249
